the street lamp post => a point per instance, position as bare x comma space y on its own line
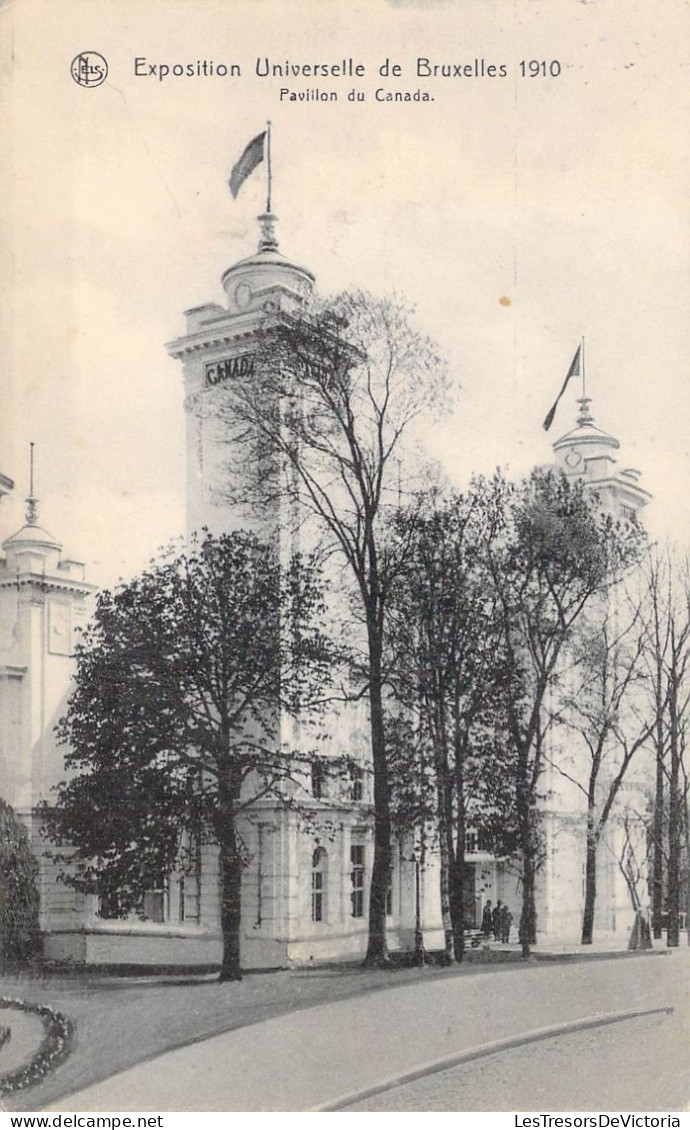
419, 952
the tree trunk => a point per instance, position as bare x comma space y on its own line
231, 899
458, 868
658, 834
674, 830
458, 888
686, 826
444, 875
527, 931
377, 947
449, 892
590, 885
526, 817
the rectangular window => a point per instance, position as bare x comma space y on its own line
318, 779
471, 843
317, 896
190, 886
357, 879
357, 779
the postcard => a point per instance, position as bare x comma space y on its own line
498, 188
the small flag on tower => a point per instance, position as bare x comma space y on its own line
573, 371
252, 156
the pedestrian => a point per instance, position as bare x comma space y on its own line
487, 921
496, 916
507, 922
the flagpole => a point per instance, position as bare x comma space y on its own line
584, 386
268, 165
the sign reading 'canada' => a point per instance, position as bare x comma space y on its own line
220, 371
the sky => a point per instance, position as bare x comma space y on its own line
515, 213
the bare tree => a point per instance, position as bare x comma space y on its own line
657, 644
551, 554
668, 673
606, 707
337, 391
685, 817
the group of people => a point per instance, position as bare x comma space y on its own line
496, 921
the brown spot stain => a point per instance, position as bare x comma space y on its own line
505, 301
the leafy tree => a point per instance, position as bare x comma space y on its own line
337, 391
19, 903
446, 659
173, 725
551, 553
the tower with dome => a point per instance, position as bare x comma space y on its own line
589, 454
44, 603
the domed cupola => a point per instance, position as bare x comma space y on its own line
585, 443
268, 280
589, 453
32, 549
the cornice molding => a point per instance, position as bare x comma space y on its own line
48, 584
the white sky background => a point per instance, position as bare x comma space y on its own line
568, 196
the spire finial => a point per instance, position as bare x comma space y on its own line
32, 501
268, 241
585, 417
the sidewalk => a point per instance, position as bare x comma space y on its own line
603, 944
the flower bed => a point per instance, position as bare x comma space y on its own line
54, 1048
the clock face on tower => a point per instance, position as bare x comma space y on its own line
573, 459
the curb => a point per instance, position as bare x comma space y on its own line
483, 1050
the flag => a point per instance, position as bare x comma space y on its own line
573, 371
252, 156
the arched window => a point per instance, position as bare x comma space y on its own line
319, 864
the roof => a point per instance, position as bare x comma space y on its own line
269, 259
586, 431
32, 535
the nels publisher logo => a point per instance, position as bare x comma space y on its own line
89, 69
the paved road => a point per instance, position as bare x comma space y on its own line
307, 1060
638, 1065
